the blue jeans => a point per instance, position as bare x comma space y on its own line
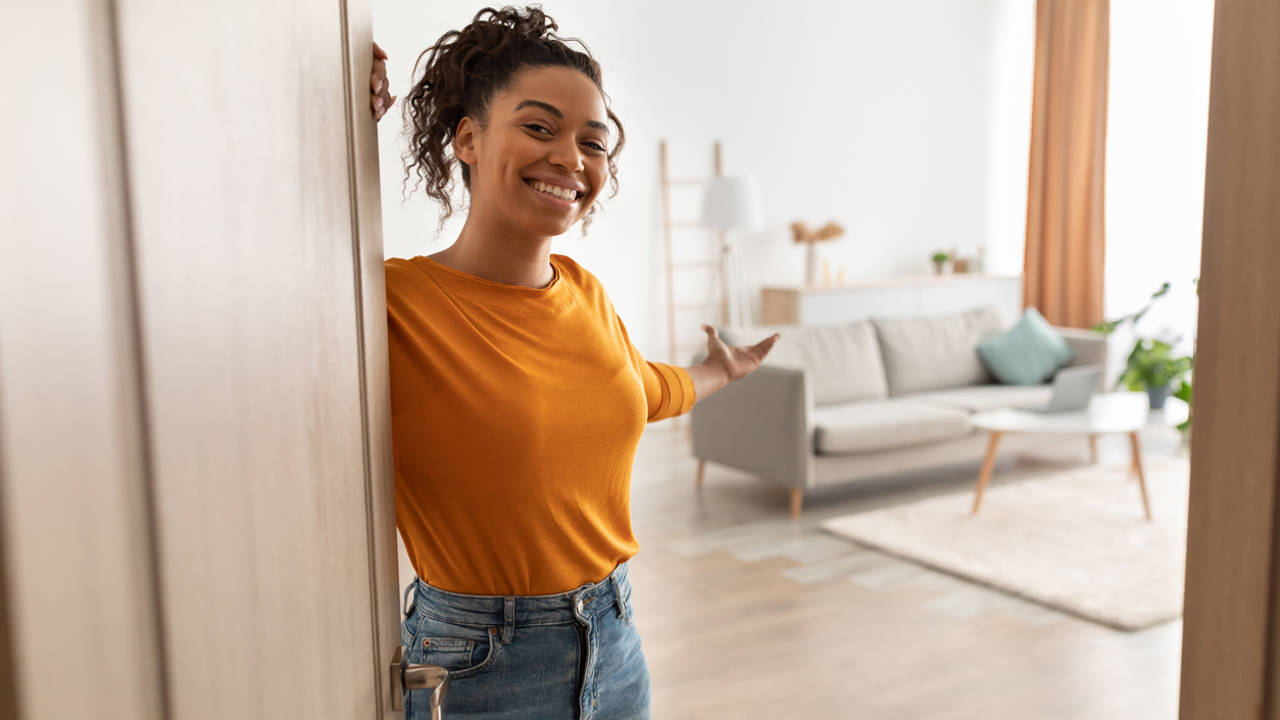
574, 655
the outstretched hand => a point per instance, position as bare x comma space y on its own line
738, 360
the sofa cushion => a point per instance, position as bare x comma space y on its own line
841, 361
1028, 353
977, 398
869, 425
935, 352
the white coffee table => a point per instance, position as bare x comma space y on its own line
1114, 412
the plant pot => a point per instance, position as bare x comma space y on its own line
1158, 395
938, 267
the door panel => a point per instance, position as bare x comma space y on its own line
236, 122
77, 576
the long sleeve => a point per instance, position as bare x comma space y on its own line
668, 389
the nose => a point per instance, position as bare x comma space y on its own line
566, 154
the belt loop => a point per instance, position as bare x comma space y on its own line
404, 601
624, 610
509, 619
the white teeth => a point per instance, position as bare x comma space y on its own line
562, 193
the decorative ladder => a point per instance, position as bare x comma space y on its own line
674, 305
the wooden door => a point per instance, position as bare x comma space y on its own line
1231, 631
194, 435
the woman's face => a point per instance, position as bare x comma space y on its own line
549, 126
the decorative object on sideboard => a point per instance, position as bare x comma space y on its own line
801, 233
972, 264
940, 259
732, 203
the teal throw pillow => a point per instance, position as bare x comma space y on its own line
1029, 353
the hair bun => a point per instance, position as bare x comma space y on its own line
534, 24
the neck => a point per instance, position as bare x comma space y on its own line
491, 249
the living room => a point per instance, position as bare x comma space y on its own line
907, 127
899, 423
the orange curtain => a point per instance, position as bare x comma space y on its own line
1066, 242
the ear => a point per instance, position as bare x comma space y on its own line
464, 141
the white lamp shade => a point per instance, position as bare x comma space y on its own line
731, 203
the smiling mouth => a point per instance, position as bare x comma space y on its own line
558, 193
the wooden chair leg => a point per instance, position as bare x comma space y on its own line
702, 471
1093, 449
797, 499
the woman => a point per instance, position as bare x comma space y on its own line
518, 399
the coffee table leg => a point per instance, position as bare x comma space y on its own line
1093, 449
1137, 465
984, 476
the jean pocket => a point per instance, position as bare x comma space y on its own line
461, 651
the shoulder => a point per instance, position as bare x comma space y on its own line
576, 273
396, 264
581, 277
400, 275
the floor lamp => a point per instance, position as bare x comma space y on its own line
731, 203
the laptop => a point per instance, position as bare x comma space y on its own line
1073, 387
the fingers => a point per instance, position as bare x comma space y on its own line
378, 52
765, 345
381, 94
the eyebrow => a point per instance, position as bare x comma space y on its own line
556, 111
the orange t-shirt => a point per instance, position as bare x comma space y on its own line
516, 413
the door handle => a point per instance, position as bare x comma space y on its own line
406, 677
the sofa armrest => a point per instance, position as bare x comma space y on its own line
1090, 347
760, 424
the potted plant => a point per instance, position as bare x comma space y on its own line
1139, 358
1153, 367
939, 261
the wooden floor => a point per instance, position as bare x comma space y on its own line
746, 613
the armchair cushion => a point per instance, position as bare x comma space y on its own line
869, 425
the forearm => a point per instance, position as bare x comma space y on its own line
708, 377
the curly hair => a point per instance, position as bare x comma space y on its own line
464, 70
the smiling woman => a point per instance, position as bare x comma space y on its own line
517, 396
563, 101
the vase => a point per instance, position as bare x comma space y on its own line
1158, 395
938, 268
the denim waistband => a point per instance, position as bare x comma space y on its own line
582, 603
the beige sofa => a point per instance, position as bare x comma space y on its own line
838, 403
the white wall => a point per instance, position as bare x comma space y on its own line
907, 122
895, 119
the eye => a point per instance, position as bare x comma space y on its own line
597, 146
535, 125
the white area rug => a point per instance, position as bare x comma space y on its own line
1075, 541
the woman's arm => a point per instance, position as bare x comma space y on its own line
726, 363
